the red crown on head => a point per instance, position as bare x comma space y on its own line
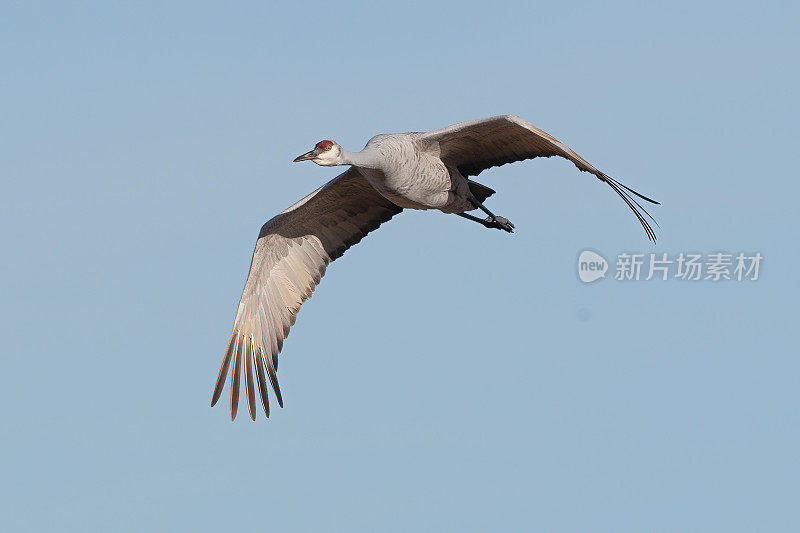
324, 146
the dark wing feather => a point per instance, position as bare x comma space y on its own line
474, 146
291, 255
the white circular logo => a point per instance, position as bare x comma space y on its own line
591, 266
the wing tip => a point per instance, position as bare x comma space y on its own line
248, 379
262, 384
223, 371
241, 351
235, 377
621, 189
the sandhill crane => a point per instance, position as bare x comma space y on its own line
393, 172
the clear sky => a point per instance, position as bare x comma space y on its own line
444, 377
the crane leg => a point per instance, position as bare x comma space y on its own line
492, 221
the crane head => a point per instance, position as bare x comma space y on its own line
325, 153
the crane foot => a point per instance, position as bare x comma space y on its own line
499, 223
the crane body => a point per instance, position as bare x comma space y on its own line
412, 178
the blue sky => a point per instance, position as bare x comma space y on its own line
444, 377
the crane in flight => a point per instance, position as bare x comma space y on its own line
393, 172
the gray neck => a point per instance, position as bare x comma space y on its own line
364, 159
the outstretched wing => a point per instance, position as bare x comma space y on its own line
291, 254
474, 146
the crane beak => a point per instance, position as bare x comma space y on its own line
306, 156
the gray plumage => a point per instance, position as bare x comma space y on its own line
393, 172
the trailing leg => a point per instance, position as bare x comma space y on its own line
492, 221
